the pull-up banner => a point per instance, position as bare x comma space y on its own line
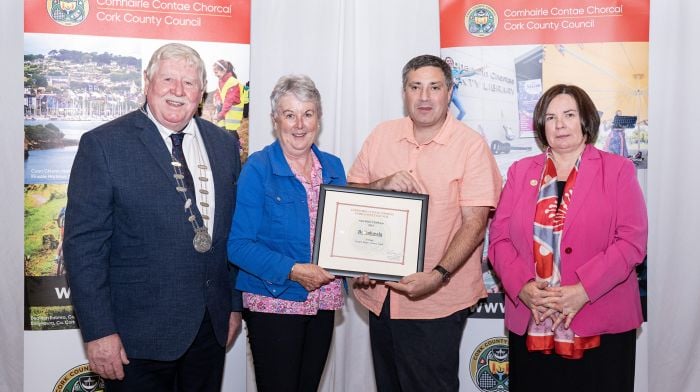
504, 54
83, 66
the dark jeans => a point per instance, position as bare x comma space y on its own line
609, 367
201, 368
289, 351
416, 355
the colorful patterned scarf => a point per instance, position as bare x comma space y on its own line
548, 230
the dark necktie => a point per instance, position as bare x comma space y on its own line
180, 156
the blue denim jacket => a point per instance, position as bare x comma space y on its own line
270, 229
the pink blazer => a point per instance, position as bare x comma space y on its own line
605, 237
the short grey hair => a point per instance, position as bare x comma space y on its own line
427, 60
176, 51
301, 86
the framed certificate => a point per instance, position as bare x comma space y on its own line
366, 231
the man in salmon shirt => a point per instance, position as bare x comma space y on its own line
416, 324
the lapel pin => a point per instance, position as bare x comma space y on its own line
533, 182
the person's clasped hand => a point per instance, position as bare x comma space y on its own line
567, 301
537, 298
311, 276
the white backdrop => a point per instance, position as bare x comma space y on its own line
354, 50
672, 201
11, 198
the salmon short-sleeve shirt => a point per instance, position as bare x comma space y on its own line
456, 169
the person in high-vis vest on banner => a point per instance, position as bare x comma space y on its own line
227, 100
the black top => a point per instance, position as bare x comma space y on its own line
560, 191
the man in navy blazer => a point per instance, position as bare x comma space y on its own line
145, 246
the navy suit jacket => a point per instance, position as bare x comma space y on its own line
132, 268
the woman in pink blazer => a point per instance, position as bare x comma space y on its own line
568, 232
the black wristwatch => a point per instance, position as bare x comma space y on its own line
445, 273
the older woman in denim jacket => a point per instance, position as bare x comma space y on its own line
289, 303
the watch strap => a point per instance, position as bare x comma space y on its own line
445, 273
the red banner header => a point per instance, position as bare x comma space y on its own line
208, 20
523, 22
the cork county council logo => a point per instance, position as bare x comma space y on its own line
481, 20
79, 379
68, 12
489, 365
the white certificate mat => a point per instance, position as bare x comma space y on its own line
364, 231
